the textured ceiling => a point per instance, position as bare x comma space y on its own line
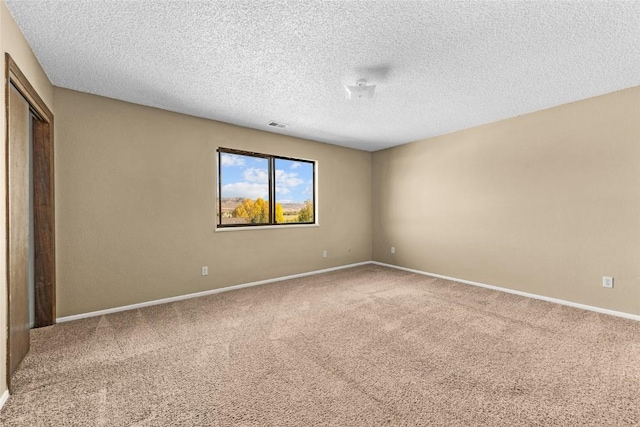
438, 66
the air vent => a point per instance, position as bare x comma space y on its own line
278, 125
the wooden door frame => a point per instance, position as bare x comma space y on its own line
43, 200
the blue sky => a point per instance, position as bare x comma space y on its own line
248, 177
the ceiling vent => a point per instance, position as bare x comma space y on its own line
278, 125
361, 90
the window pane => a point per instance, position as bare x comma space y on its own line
294, 191
244, 189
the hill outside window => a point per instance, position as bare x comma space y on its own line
257, 189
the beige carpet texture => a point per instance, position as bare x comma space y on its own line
365, 346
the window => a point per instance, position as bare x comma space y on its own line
259, 189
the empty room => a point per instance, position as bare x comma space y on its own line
340, 213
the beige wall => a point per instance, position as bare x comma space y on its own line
135, 201
13, 42
545, 203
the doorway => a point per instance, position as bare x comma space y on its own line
30, 214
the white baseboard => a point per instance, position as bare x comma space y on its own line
201, 294
4, 398
326, 270
512, 291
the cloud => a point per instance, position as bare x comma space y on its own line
287, 179
248, 190
295, 165
256, 175
231, 160
255, 183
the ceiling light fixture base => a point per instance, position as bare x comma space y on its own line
361, 90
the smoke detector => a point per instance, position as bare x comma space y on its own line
361, 90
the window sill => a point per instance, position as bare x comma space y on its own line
264, 227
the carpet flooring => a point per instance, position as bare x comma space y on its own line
367, 346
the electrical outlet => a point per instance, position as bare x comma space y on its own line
324, 254
607, 282
205, 271
393, 249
